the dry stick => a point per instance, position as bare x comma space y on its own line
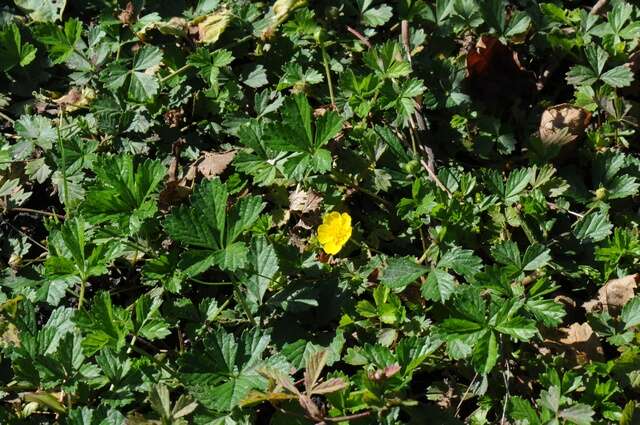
7, 117
555, 207
507, 393
464, 396
364, 40
596, 7
30, 210
24, 234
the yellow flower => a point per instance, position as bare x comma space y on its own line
334, 231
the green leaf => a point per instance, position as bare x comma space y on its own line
12, 51
37, 130
147, 320
622, 186
578, 414
516, 183
521, 409
223, 373
630, 313
203, 224
124, 192
620, 76
61, 43
43, 10
263, 258
243, 215
518, 327
518, 24
401, 272
494, 14
507, 253
377, 16
550, 398
439, 286
327, 127
593, 227
535, 257
485, 353
462, 261
580, 75
104, 324
232, 257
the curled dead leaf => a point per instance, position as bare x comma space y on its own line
214, 163
279, 13
127, 15
210, 27
304, 201
76, 99
580, 343
563, 124
614, 294
176, 26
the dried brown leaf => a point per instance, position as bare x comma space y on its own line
330, 386
214, 163
580, 340
303, 201
312, 409
614, 294
315, 364
557, 118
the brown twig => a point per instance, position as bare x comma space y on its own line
557, 208
30, 210
435, 178
364, 40
596, 7
349, 417
7, 117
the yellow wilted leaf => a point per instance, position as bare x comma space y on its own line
210, 27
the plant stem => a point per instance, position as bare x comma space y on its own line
63, 158
202, 282
327, 71
83, 285
156, 361
176, 72
30, 210
7, 117
244, 305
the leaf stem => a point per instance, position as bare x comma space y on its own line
327, 71
244, 305
63, 158
83, 285
176, 72
7, 117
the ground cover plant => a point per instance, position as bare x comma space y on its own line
339, 211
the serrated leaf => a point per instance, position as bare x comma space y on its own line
377, 16
620, 76
439, 286
518, 327
535, 257
462, 261
593, 227
630, 314
578, 414
402, 271
485, 353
